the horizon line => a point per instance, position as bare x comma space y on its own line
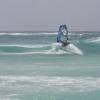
41, 31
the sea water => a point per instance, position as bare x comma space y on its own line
31, 70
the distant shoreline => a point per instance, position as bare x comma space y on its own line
46, 31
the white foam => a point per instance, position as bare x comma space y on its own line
67, 84
53, 49
59, 52
50, 51
93, 40
25, 46
34, 33
46, 52
71, 48
28, 34
15, 34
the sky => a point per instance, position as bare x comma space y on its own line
47, 15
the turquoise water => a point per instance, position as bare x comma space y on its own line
30, 70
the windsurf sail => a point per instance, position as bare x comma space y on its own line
62, 35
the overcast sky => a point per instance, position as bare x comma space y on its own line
47, 15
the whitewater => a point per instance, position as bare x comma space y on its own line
31, 69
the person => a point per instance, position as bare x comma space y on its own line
62, 36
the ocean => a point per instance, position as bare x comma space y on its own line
30, 70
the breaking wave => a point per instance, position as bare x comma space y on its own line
93, 40
28, 49
36, 33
